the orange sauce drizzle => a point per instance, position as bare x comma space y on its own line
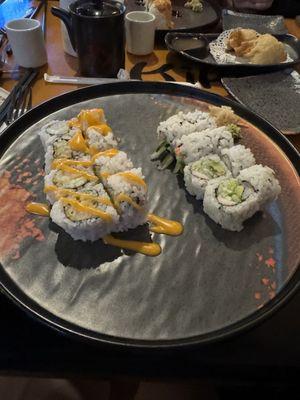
131, 177
93, 150
42, 209
86, 208
106, 153
94, 116
148, 249
65, 165
103, 129
78, 143
104, 175
66, 161
69, 192
165, 226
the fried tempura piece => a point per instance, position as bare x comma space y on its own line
266, 50
162, 10
244, 48
239, 36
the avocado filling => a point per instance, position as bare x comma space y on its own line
230, 192
208, 169
234, 130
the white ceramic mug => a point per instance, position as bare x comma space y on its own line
27, 42
65, 36
140, 32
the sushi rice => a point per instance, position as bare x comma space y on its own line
133, 212
109, 165
182, 124
237, 158
199, 144
81, 225
98, 141
263, 181
52, 131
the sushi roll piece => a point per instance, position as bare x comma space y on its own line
199, 144
263, 181
59, 148
52, 131
100, 137
85, 215
71, 145
110, 162
75, 178
237, 158
229, 202
200, 172
182, 124
128, 192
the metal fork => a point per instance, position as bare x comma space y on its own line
20, 103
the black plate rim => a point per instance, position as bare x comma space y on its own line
237, 67
10, 288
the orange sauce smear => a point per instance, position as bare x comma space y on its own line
148, 249
42, 209
164, 226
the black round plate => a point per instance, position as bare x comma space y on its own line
206, 285
180, 43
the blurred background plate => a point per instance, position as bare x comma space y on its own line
273, 24
190, 46
207, 284
276, 97
184, 19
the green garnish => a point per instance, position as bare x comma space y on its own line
195, 5
178, 166
166, 162
231, 190
235, 130
161, 149
210, 168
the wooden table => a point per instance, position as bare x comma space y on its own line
269, 352
59, 63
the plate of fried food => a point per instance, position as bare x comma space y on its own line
238, 50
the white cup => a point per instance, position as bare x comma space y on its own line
68, 48
27, 41
140, 32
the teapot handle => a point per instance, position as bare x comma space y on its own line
65, 16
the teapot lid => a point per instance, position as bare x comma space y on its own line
97, 8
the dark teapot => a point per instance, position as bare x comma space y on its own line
96, 31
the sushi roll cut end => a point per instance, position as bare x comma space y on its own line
229, 202
198, 173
